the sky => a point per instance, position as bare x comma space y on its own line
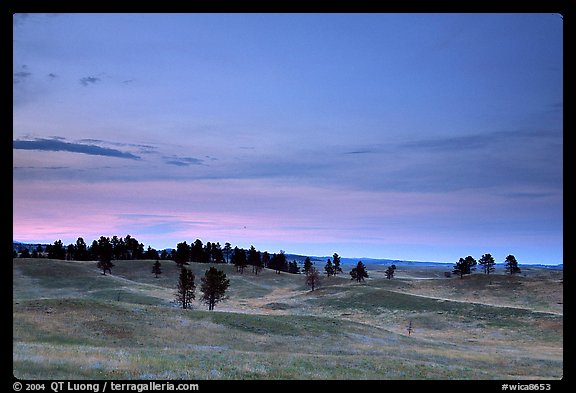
425, 137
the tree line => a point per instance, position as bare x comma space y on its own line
467, 265
117, 248
103, 248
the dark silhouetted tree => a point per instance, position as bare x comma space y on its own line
207, 253
359, 272
182, 254
217, 254
336, 262
93, 250
156, 268
307, 265
312, 278
293, 267
390, 272
227, 251
132, 248
254, 259
239, 259
105, 254
186, 287
105, 265
150, 253
56, 250
214, 286
197, 251
118, 247
487, 262
37, 253
265, 259
81, 250
329, 268
278, 262
24, 253
512, 265
70, 252
464, 266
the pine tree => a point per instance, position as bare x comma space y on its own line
359, 272
81, 250
464, 266
312, 277
329, 268
156, 268
182, 254
293, 267
512, 265
186, 287
197, 251
217, 254
390, 272
254, 259
336, 261
278, 262
214, 286
239, 259
265, 259
487, 262
105, 265
307, 265
227, 251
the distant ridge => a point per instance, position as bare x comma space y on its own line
400, 262
17, 245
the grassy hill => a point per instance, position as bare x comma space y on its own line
71, 322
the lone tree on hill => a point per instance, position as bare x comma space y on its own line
359, 272
105, 253
156, 268
464, 266
512, 264
390, 272
105, 265
214, 286
329, 268
185, 292
487, 262
312, 277
336, 261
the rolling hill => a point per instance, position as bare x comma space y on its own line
71, 322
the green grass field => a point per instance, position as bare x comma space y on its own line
71, 322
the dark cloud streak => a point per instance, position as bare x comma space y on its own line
88, 80
59, 145
183, 161
478, 141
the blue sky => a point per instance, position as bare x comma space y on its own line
408, 136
